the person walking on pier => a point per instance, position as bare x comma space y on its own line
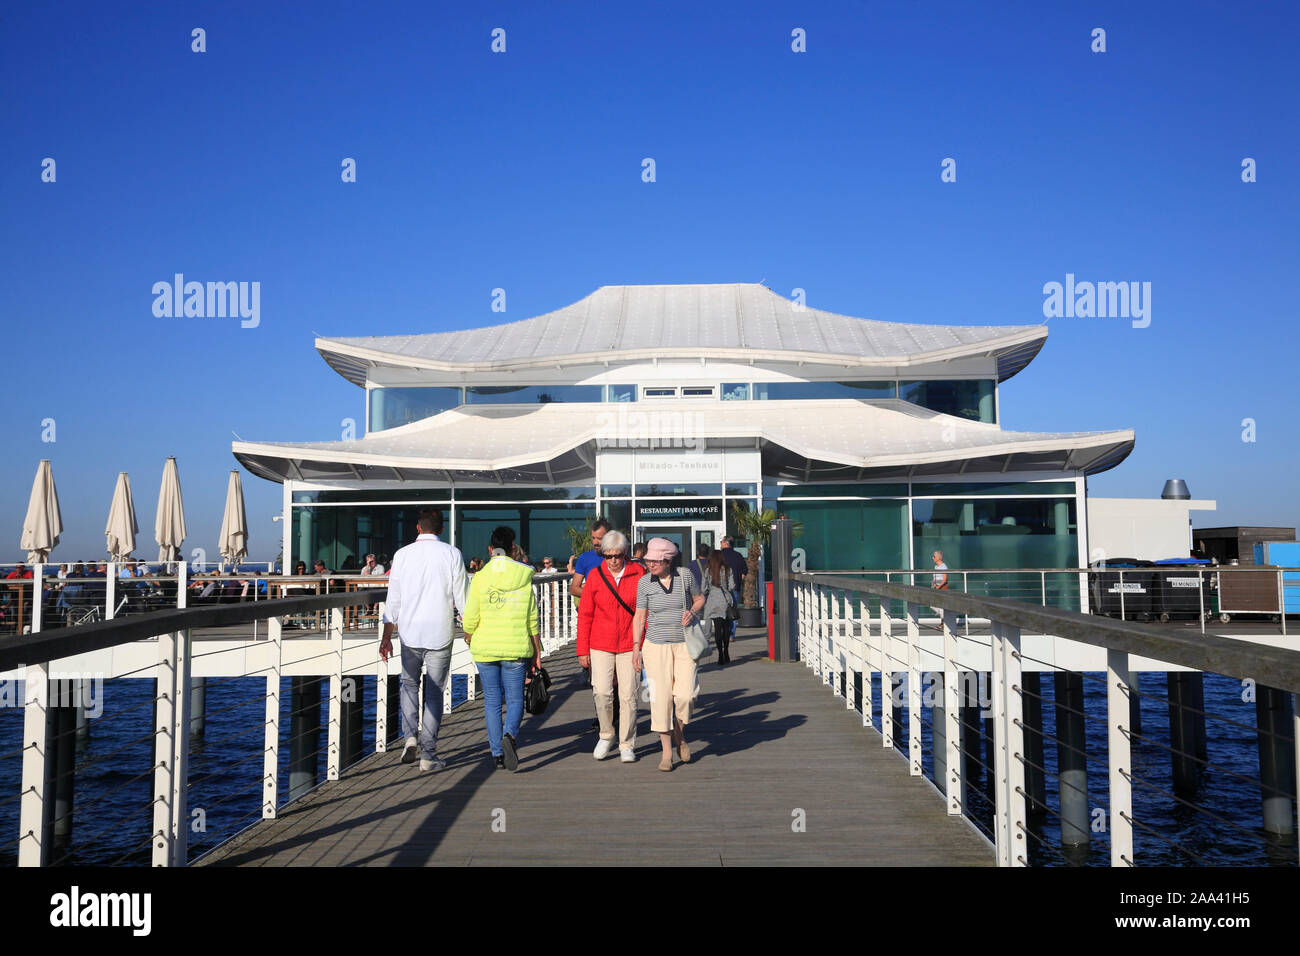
426, 584
605, 644
666, 602
502, 628
717, 599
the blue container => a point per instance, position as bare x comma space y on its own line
1283, 554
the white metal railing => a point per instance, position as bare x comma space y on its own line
176, 655
1156, 593
844, 628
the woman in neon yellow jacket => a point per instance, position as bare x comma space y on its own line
501, 626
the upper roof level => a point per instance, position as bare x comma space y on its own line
744, 322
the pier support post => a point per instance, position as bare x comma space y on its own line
395, 707
353, 707
970, 727
938, 731
304, 734
1276, 760
198, 706
1183, 731
1072, 760
1035, 776
83, 722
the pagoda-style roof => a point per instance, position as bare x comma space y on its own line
554, 442
739, 322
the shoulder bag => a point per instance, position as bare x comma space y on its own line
697, 641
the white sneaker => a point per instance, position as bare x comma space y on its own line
627, 754
603, 747
410, 751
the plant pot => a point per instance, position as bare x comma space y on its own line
751, 617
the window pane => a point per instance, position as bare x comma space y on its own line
972, 399
747, 490
994, 488
661, 491
531, 394
523, 494
859, 490
616, 491
390, 407
1006, 533
620, 393
851, 535
735, 391
542, 529
697, 391
661, 393
784, 391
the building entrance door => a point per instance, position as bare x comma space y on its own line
687, 537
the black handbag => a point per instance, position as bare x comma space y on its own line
536, 692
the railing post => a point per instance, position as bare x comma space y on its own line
381, 692
821, 633
171, 750
1008, 751
864, 630
806, 626
271, 757
1119, 690
914, 686
335, 731
34, 844
954, 764
886, 677
110, 591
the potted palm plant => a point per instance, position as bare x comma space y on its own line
756, 528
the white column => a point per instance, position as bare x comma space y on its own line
336, 693
32, 848
914, 687
381, 691
952, 693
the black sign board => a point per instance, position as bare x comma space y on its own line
704, 509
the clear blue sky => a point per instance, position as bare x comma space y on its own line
522, 170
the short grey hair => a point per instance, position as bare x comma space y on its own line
615, 541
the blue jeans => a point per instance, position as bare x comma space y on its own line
499, 676
435, 665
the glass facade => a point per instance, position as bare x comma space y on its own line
851, 535
342, 535
391, 407
620, 393
968, 398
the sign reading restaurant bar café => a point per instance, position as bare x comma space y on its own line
708, 509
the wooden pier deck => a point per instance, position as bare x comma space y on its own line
767, 741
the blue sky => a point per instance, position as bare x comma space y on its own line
522, 170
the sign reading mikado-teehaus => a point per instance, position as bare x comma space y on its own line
708, 509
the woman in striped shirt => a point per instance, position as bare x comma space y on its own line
666, 602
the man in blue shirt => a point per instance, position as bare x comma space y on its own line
588, 560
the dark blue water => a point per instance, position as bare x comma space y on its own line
112, 815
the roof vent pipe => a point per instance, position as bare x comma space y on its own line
1176, 489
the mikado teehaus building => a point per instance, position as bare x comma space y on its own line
657, 406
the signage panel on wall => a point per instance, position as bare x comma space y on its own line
703, 509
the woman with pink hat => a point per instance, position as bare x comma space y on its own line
666, 602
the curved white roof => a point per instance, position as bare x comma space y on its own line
555, 442
737, 321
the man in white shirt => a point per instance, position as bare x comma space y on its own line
426, 585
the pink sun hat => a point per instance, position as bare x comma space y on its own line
660, 549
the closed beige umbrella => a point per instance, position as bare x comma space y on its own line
169, 522
44, 523
234, 524
121, 529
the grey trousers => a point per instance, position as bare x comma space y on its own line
435, 665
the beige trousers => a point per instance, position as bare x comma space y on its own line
670, 673
604, 665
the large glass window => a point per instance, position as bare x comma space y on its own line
390, 407
620, 393
850, 535
971, 398
668, 491
342, 535
542, 529
531, 394
735, 391
780, 391
1001, 533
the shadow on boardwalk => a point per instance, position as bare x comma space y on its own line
770, 747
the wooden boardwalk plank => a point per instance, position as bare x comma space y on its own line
767, 740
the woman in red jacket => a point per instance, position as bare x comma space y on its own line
605, 642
